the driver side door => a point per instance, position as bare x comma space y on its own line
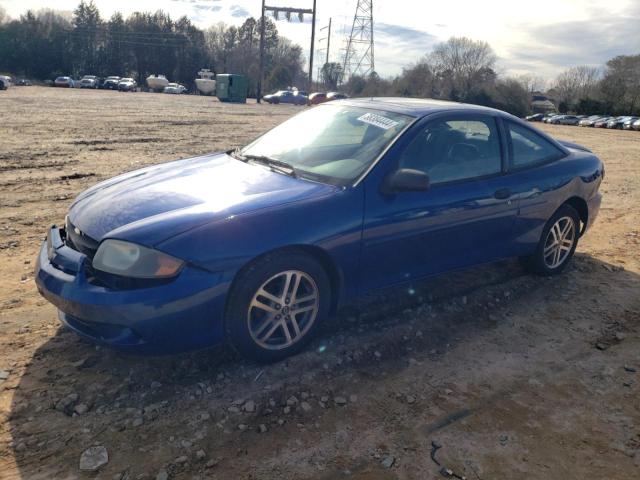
466, 216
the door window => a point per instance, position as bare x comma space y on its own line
529, 148
455, 149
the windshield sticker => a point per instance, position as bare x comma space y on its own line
378, 121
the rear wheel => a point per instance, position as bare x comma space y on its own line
557, 244
277, 305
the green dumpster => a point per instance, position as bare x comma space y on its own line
231, 88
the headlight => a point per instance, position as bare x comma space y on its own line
131, 260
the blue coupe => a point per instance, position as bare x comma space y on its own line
257, 246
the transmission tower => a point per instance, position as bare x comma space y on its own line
358, 58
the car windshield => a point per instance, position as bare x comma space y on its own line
330, 143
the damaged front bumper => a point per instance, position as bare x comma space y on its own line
182, 315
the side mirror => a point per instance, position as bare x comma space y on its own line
406, 180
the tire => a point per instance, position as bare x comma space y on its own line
553, 262
265, 328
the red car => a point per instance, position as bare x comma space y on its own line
336, 96
317, 98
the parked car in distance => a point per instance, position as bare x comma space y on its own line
4, 85
317, 98
257, 246
7, 81
555, 120
602, 123
23, 82
175, 88
64, 82
127, 85
628, 123
616, 122
636, 125
89, 81
568, 120
286, 96
589, 121
336, 96
549, 117
111, 83
536, 117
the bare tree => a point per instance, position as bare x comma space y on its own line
465, 62
576, 83
331, 75
532, 83
621, 83
416, 81
4, 16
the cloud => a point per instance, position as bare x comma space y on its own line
212, 8
400, 34
397, 46
239, 11
549, 49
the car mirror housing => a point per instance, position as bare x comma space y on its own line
406, 180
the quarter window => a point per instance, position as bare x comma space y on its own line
455, 149
529, 148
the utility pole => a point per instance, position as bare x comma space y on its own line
301, 12
313, 42
326, 50
328, 41
261, 75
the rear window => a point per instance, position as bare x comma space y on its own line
529, 148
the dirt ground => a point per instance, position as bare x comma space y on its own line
511, 376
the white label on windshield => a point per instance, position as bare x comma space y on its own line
378, 121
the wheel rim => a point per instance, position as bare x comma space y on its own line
559, 242
283, 310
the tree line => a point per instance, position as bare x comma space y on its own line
45, 44
462, 69
614, 89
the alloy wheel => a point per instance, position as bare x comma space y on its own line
559, 242
283, 310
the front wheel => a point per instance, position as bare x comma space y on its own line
276, 306
557, 244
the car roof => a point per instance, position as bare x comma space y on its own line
417, 107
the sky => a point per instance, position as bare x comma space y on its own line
538, 37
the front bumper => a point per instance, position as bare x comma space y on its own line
182, 315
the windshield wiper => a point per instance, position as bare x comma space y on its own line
275, 164
235, 153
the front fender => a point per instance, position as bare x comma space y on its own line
332, 223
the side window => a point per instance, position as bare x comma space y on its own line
529, 148
455, 149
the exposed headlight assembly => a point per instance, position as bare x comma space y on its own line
131, 260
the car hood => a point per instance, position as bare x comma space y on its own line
151, 205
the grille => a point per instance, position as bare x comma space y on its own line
80, 242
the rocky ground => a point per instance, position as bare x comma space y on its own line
486, 374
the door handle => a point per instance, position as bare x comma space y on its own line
502, 193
